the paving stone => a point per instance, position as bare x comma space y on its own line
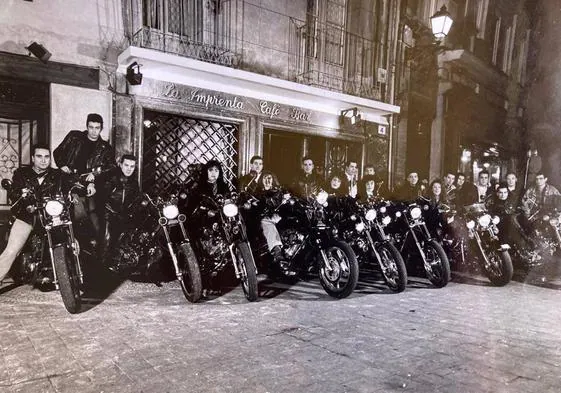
461, 338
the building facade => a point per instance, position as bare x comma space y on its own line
219, 79
463, 99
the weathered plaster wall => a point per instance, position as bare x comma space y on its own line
83, 32
70, 107
266, 30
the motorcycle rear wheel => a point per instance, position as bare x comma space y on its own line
246, 265
499, 270
341, 279
190, 280
437, 266
392, 266
67, 276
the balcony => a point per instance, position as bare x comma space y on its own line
151, 38
311, 53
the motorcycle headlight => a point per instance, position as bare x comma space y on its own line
359, 226
54, 208
383, 209
416, 213
321, 197
230, 210
484, 220
386, 220
398, 214
370, 215
496, 220
170, 212
554, 221
470, 224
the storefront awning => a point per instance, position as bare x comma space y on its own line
191, 72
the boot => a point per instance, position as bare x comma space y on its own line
279, 260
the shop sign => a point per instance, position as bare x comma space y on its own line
211, 99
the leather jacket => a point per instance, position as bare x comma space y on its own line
305, 185
67, 152
116, 191
547, 200
55, 182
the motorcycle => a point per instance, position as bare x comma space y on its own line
546, 239
362, 227
473, 240
53, 234
222, 238
157, 225
414, 241
309, 241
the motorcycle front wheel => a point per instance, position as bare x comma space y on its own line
190, 279
392, 266
436, 264
246, 265
67, 277
499, 267
338, 275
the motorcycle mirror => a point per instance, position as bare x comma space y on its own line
6, 184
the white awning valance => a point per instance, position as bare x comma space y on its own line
191, 72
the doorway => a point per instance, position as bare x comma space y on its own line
283, 152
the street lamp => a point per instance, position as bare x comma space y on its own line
441, 23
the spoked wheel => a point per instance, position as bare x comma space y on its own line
339, 274
498, 267
392, 266
67, 276
246, 265
190, 280
436, 264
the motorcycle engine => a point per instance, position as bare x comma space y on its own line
291, 240
214, 245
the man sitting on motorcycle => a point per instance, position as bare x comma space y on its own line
541, 197
308, 181
40, 179
117, 189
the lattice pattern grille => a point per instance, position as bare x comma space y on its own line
172, 143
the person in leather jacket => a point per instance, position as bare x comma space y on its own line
81, 152
510, 231
308, 181
250, 182
411, 189
211, 184
116, 190
40, 179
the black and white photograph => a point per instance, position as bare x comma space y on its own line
280, 196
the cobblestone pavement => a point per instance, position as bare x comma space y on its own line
466, 337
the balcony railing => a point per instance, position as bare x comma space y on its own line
316, 54
332, 58
181, 45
